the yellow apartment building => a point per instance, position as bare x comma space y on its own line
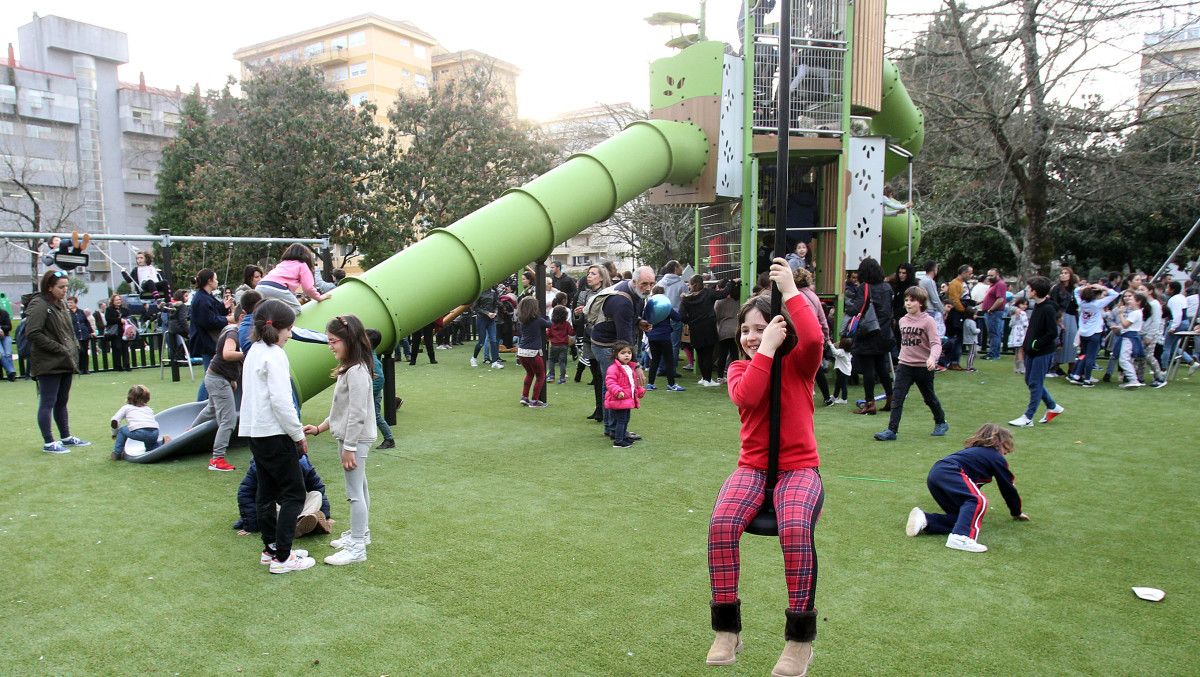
371, 58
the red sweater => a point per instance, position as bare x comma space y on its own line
560, 333
750, 390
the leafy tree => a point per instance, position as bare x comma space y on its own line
190, 149
455, 148
288, 158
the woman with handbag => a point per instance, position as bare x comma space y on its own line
114, 331
869, 308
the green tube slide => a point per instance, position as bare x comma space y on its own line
900, 120
452, 265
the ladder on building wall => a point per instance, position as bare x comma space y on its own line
91, 175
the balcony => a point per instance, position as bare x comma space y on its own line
131, 125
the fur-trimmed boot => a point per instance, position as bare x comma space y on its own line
800, 631
727, 622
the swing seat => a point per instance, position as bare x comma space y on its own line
764, 523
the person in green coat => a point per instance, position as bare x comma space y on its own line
53, 356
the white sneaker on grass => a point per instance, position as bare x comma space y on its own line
964, 543
266, 558
355, 551
916, 522
497, 365
1023, 422
703, 383
1132, 384
345, 539
293, 563
73, 441
55, 447
474, 362
1052, 414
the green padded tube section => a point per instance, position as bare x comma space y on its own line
898, 118
895, 240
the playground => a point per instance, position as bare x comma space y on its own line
511, 541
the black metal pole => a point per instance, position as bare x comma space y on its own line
389, 386
781, 207
166, 271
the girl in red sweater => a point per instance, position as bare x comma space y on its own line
798, 492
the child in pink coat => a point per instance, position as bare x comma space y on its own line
622, 392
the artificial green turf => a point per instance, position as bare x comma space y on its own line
516, 541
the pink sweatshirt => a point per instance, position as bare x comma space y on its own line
293, 275
919, 340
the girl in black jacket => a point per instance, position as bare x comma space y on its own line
872, 352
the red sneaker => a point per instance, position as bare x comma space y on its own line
220, 464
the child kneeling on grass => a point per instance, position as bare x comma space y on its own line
139, 425
314, 516
920, 349
623, 391
352, 422
954, 483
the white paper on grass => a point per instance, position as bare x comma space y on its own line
1149, 594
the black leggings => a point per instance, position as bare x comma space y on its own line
822, 382
423, 334
660, 351
53, 392
597, 388
726, 354
872, 367
280, 480
704, 359
120, 354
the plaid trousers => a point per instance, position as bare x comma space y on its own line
799, 496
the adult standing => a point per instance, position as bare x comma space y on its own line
900, 281
486, 308
563, 282
209, 317
1063, 295
114, 331
956, 293
1177, 312
930, 285
871, 351
697, 313
993, 305
726, 310
674, 286
251, 276
6, 362
53, 352
595, 279
620, 321
83, 331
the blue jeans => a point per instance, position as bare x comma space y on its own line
1112, 356
1091, 347
1170, 343
995, 329
147, 436
602, 357
1035, 378
620, 419
485, 327
6, 355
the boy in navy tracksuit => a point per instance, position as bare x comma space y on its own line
954, 483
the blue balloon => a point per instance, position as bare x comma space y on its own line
658, 307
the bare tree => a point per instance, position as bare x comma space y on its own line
1020, 133
37, 194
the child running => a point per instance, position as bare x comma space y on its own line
269, 419
381, 424
140, 423
224, 372
352, 422
920, 349
954, 483
533, 337
561, 331
798, 492
622, 392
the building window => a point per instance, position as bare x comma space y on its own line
314, 49
338, 43
142, 115
581, 260
358, 69
38, 98
406, 73
6, 127
420, 51
38, 131
338, 74
360, 98
421, 81
171, 119
289, 55
358, 38
141, 174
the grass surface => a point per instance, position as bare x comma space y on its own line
515, 541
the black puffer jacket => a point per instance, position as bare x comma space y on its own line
881, 298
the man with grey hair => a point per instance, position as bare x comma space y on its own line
620, 322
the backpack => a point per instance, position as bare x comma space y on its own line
594, 310
21, 340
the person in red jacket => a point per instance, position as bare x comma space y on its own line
798, 492
623, 390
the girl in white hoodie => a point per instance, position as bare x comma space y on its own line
352, 421
268, 417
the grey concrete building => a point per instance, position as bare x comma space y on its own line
79, 143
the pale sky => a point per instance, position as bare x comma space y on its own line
572, 54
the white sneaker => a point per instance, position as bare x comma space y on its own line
353, 552
264, 558
1023, 422
839, 400
916, 522
964, 543
293, 563
1192, 369
1132, 384
1052, 414
73, 441
704, 383
345, 539
55, 447
712, 384
474, 362
497, 365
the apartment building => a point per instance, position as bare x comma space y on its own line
372, 58
1170, 64
88, 144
